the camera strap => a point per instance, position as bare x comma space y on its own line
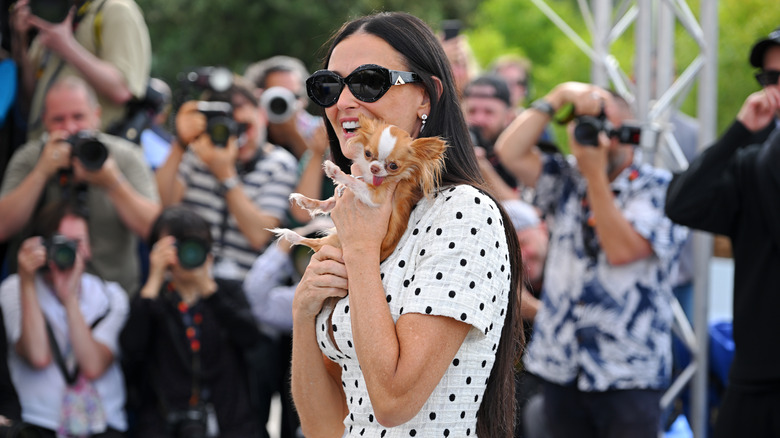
191, 318
70, 378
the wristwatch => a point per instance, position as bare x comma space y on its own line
226, 185
543, 106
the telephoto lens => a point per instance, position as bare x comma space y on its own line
279, 103
88, 149
62, 251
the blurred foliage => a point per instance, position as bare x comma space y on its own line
519, 27
235, 33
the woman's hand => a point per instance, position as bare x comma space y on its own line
161, 256
325, 277
361, 227
31, 257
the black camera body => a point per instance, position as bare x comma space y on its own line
138, 115
280, 104
62, 251
53, 11
88, 149
587, 129
220, 125
190, 423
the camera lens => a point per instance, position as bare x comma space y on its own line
92, 154
62, 252
220, 129
192, 253
278, 106
279, 103
587, 129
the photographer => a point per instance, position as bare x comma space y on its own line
732, 189
611, 255
120, 194
281, 88
239, 183
185, 337
106, 42
64, 324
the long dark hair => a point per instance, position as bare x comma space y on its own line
424, 55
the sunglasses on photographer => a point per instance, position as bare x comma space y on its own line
767, 77
367, 83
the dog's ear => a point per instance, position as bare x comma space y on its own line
430, 153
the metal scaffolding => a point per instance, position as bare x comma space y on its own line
655, 96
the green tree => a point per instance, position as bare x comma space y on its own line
518, 26
236, 33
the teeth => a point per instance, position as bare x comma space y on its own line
350, 125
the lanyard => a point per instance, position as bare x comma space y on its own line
192, 318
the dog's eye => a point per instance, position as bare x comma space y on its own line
368, 154
392, 166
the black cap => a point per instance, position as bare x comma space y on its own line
497, 83
760, 48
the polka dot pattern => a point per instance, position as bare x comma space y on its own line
445, 264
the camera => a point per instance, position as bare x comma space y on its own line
218, 79
192, 423
192, 253
279, 103
451, 28
587, 129
139, 114
88, 149
220, 125
53, 11
61, 251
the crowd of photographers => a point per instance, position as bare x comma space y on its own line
141, 295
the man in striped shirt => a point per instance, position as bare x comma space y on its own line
241, 189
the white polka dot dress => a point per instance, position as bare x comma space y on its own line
452, 261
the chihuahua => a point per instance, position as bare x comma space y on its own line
383, 153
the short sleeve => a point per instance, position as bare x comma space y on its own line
645, 211
11, 308
462, 267
125, 43
108, 329
21, 164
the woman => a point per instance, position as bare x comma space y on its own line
424, 343
184, 340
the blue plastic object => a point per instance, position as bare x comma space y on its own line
721, 349
8, 90
679, 429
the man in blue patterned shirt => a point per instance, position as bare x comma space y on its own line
602, 338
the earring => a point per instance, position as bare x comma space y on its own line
424, 118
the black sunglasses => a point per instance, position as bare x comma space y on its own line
367, 83
767, 77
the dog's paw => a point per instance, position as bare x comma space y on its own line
331, 170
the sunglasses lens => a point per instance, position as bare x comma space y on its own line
368, 85
324, 89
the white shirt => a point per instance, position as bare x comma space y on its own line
452, 261
41, 391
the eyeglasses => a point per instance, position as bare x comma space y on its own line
767, 77
367, 83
